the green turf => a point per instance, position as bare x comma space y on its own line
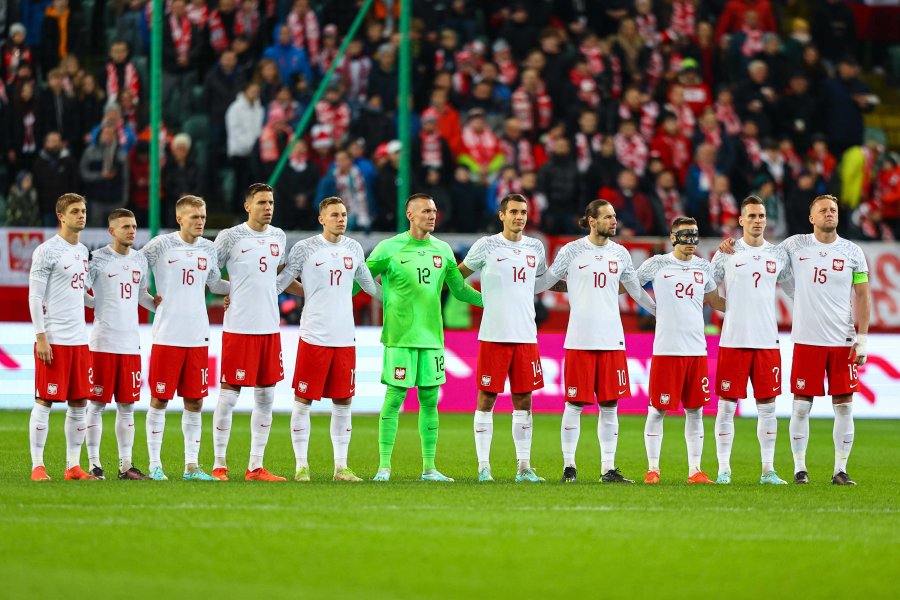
411, 539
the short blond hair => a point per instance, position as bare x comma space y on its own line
189, 201
328, 202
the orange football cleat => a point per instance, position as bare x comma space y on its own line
261, 474
652, 477
700, 477
76, 473
220, 473
39, 474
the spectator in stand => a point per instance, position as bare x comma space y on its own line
744, 46
304, 26
588, 142
182, 51
696, 93
845, 98
797, 41
518, 31
22, 203
699, 181
824, 160
328, 51
15, 52
673, 149
243, 124
355, 69
91, 100
467, 213
333, 111
60, 34
139, 180
449, 123
347, 182
372, 124
181, 176
323, 148
756, 99
383, 80
104, 171
558, 181
632, 52
289, 59
797, 203
631, 148
834, 29
634, 211
431, 156
723, 209
58, 111
799, 112
733, 16
24, 127
666, 199
222, 84
269, 81
127, 137
687, 122
725, 112
296, 191
119, 73
247, 24
481, 148
386, 189
710, 131
222, 26
888, 193
55, 173
532, 106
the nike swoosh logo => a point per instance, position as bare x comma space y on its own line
41, 428
203, 391
432, 428
91, 426
385, 418
570, 428
246, 251
112, 275
622, 392
583, 266
220, 429
80, 429
263, 425
320, 264
721, 434
526, 426
776, 388
297, 430
538, 381
349, 430
131, 425
174, 261
403, 262
771, 432
652, 435
155, 432
798, 438
480, 430
667, 276
65, 268
740, 265
807, 258
502, 259
852, 386
136, 395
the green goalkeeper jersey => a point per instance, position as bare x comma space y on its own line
413, 273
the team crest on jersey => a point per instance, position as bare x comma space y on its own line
823, 254
302, 386
613, 266
52, 388
189, 254
770, 266
438, 261
240, 374
348, 262
485, 380
517, 252
837, 265
801, 384
571, 391
726, 385
530, 260
98, 390
201, 263
757, 257
399, 373
274, 249
698, 276
136, 276
160, 388
664, 399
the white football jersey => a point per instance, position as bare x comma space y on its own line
592, 274
118, 280
823, 280
508, 270
750, 275
679, 287
182, 272
59, 270
252, 259
327, 272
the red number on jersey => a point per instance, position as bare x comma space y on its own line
518, 274
125, 291
335, 276
599, 280
262, 264
820, 276
187, 277
756, 277
682, 291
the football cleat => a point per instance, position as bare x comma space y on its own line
700, 477
302, 474
261, 474
772, 478
614, 476
382, 475
802, 477
198, 474
528, 476
724, 478
97, 471
346, 474
842, 479
156, 474
652, 477
133, 473
570, 475
39, 474
434, 475
220, 473
484, 475
76, 473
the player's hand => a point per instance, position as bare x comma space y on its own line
157, 300
43, 349
859, 349
227, 302
727, 246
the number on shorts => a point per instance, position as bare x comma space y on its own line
854, 373
204, 374
776, 371
705, 383
536, 367
439, 363
136, 379
623, 377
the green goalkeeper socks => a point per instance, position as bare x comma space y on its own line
387, 426
428, 425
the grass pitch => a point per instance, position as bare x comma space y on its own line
409, 539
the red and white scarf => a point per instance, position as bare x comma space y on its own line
335, 115
246, 24
585, 147
594, 57
305, 32
525, 105
655, 69
648, 28
355, 72
632, 152
648, 114
729, 118
713, 136
113, 85
181, 34
432, 156
482, 147
753, 42
586, 86
268, 144
198, 15
671, 203
754, 150
218, 37
686, 119
351, 187
28, 137
519, 153
462, 83
508, 72
683, 18
722, 208
13, 56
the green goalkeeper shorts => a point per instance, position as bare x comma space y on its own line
413, 367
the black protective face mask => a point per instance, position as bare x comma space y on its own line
687, 236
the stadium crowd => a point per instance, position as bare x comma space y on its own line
663, 107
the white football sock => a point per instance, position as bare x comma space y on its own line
341, 429
191, 427
484, 434
94, 432
653, 435
260, 425
521, 431
725, 434
300, 433
125, 434
693, 436
766, 432
156, 427
569, 431
843, 435
608, 434
799, 430
222, 425
38, 427
75, 429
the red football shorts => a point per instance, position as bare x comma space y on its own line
67, 377
678, 380
521, 362
118, 374
251, 360
324, 372
183, 369
812, 363
761, 366
603, 373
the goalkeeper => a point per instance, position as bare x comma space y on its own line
413, 267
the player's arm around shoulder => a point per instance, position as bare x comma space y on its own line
711, 290
456, 283
647, 271
214, 280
